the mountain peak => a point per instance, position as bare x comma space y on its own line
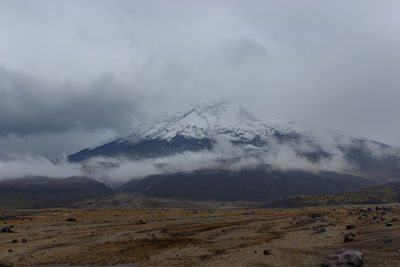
228, 117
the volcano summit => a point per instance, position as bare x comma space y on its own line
223, 151
194, 130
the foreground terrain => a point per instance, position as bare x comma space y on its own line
217, 236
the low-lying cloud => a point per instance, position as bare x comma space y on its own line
18, 166
224, 155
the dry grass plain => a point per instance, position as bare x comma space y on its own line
198, 236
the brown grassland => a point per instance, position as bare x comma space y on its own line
215, 236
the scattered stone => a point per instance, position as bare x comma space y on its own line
142, 222
70, 220
387, 241
7, 229
316, 216
24, 240
349, 237
14, 241
344, 257
220, 252
362, 216
267, 252
350, 226
319, 229
249, 213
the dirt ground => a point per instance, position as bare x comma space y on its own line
198, 237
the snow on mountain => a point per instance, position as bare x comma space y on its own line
229, 118
203, 126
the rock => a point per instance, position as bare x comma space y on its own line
319, 229
350, 226
387, 241
344, 257
267, 252
349, 237
362, 216
24, 240
14, 241
316, 216
249, 213
7, 229
389, 224
70, 220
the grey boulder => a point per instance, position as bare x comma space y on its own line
344, 257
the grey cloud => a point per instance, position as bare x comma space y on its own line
31, 105
242, 50
53, 145
18, 166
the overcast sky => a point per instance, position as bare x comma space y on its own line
75, 72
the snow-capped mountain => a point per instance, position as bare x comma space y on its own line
223, 151
194, 130
229, 118
274, 140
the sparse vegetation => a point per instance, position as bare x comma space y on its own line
201, 236
387, 193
